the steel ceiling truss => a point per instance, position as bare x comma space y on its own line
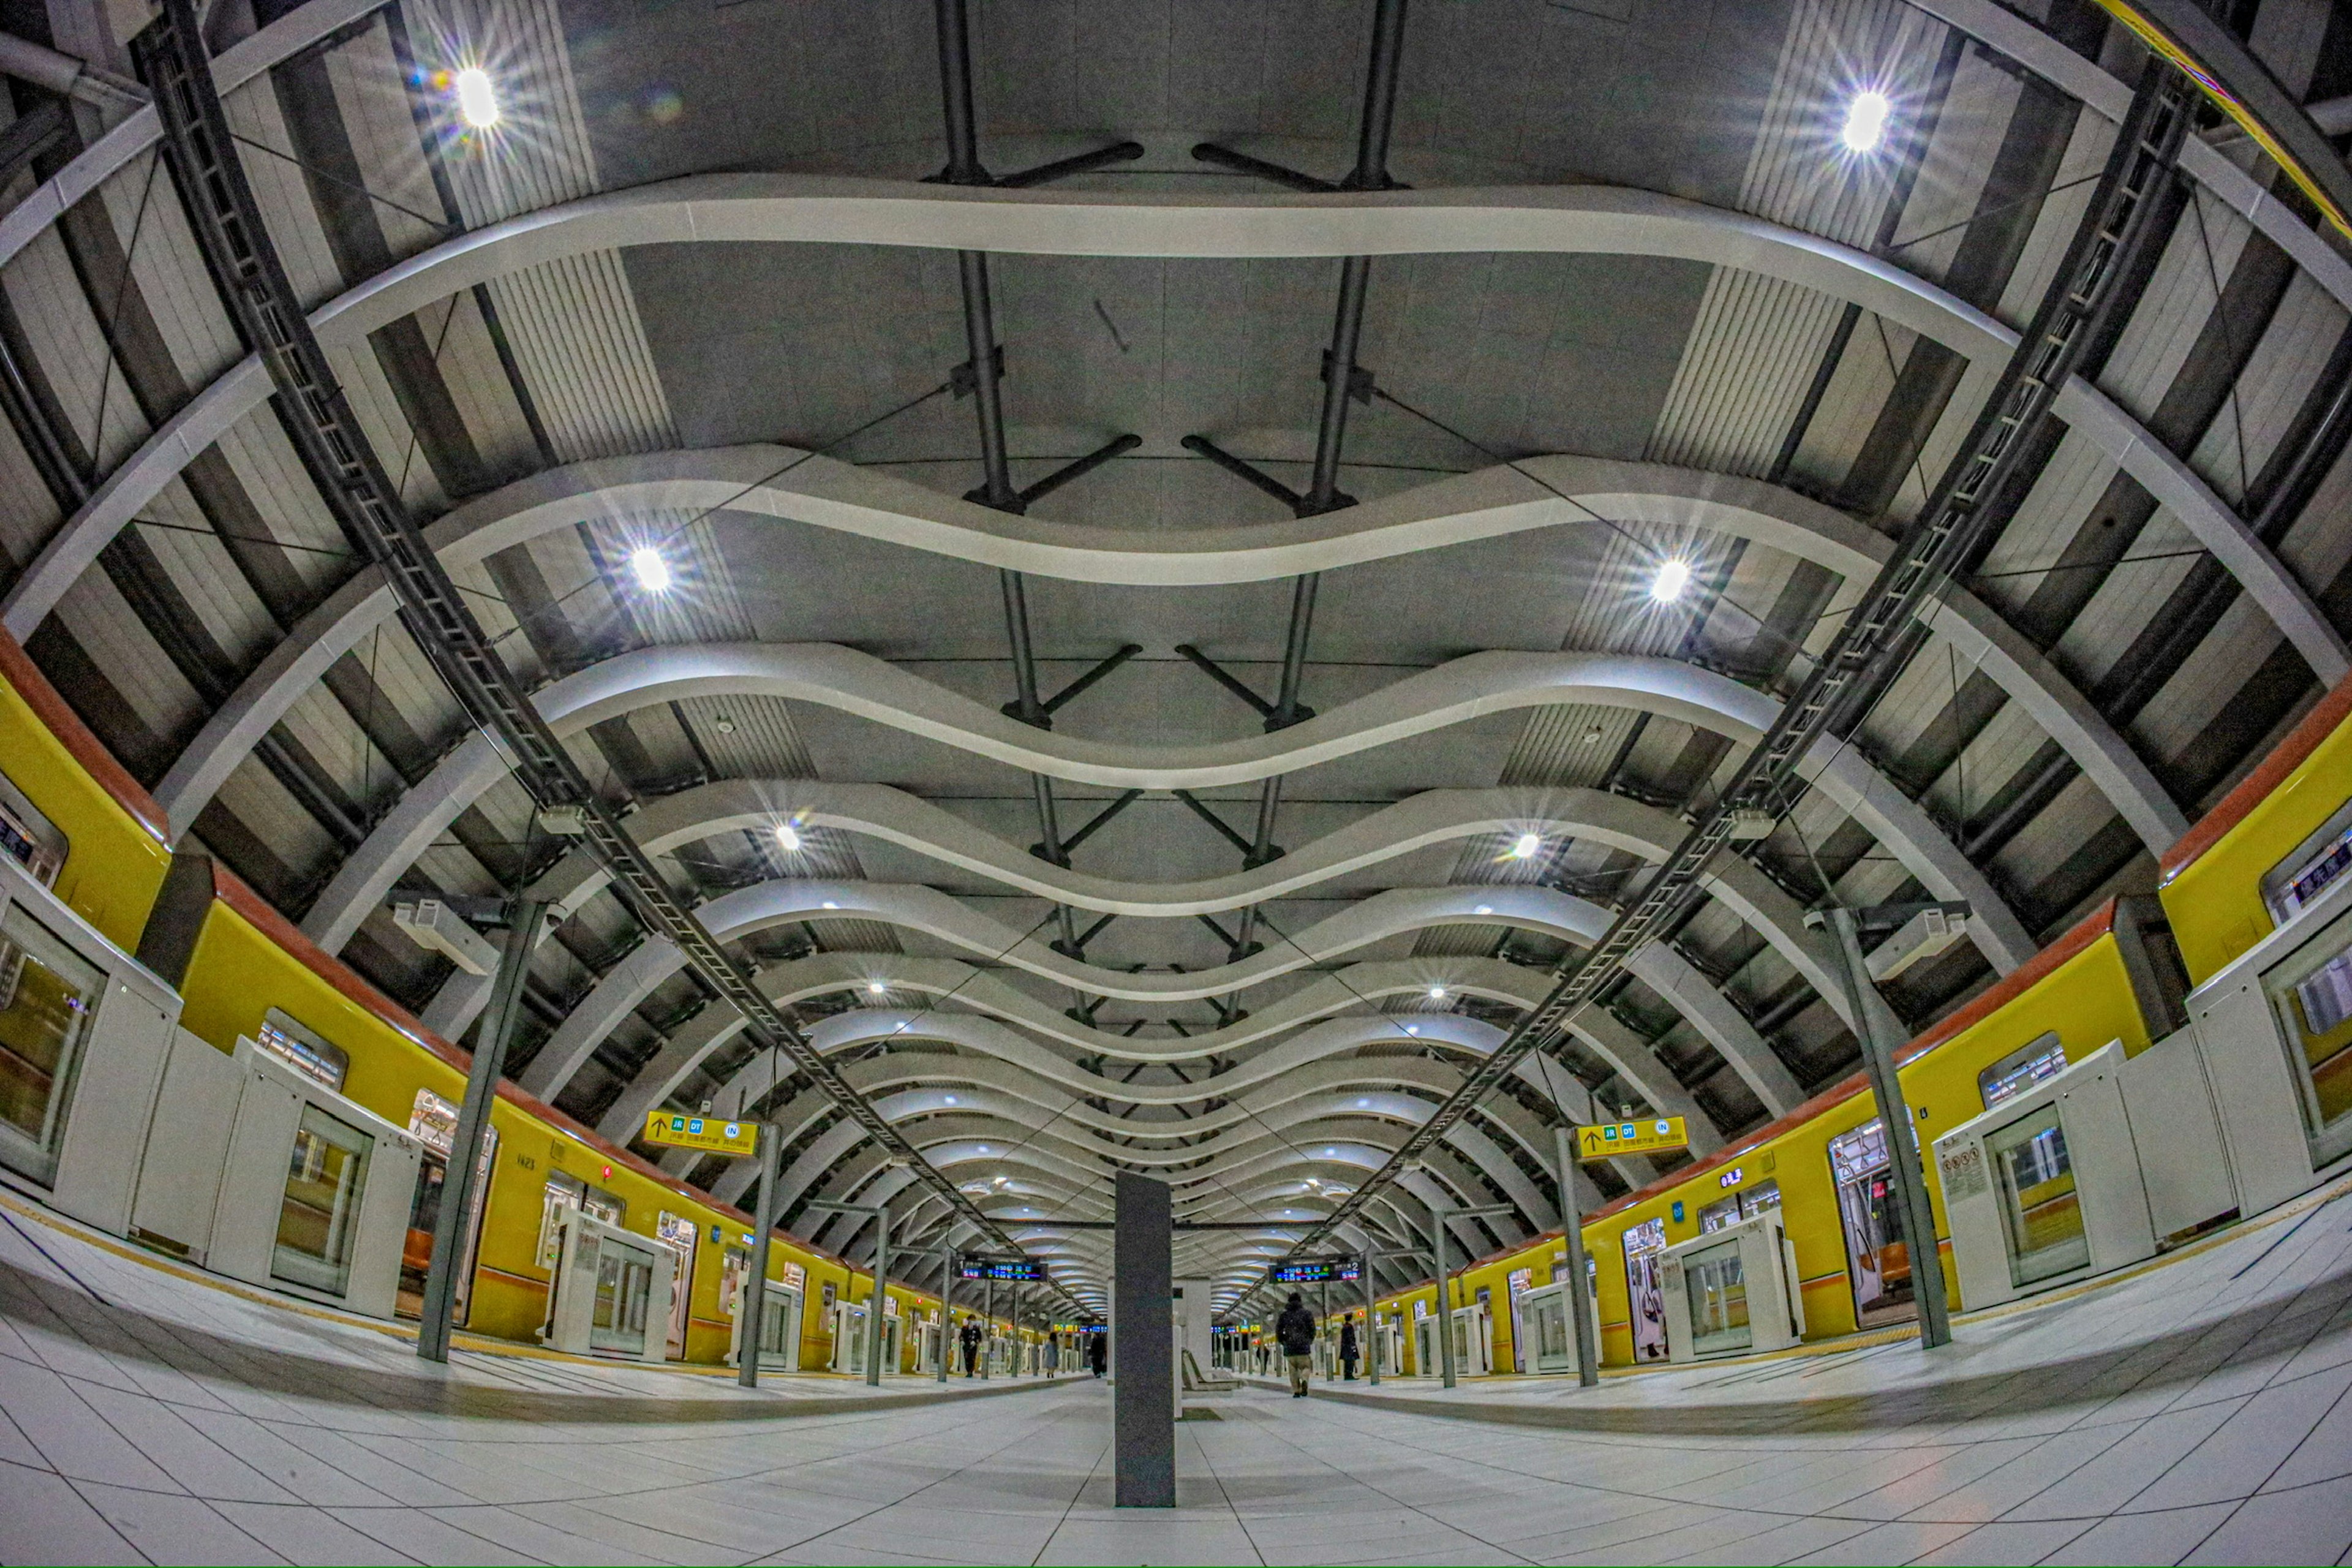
318, 420
982, 378
1344, 381
1979, 491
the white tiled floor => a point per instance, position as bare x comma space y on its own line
2199, 1412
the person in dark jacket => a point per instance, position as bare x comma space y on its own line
1098, 1349
1296, 1330
970, 1340
1348, 1350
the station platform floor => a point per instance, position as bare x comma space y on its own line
2197, 1411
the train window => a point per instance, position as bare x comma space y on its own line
2039, 1057
1716, 1215
48, 996
28, 837
435, 1121
1755, 1200
2314, 866
1877, 1260
2312, 992
304, 1049
1645, 1293
560, 1195
319, 1216
681, 1236
1716, 1289
568, 1192
2041, 1210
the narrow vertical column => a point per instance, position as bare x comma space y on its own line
449, 1225
880, 1306
1579, 1286
1882, 1034
754, 1299
1445, 1330
1143, 1405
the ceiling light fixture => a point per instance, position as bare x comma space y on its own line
1526, 847
1674, 576
653, 572
1484, 909
478, 101
875, 988
951, 1099
1866, 121
788, 836
1437, 993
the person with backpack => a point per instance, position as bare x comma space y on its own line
970, 1341
1296, 1332
1348, 1350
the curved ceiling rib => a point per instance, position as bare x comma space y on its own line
911, 907
860, 684
1537, 492
1599, 817
794, 208
1005, 1063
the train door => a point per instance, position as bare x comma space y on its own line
1646, 1295
1878, 1261
681, 1236
435, 1121
1520, 1281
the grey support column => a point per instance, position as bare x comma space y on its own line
947, 1308
1143, 1405
880, 1305
1580, 1284
755, 1291
1445, 1330
1882, 1034
449, 1225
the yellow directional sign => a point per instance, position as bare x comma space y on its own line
1644, 1137
708, 1133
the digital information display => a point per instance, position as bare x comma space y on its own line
1316, 1270
1000, 1268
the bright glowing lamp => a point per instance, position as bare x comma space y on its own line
1866, 121
1672, 577
653, 572
478, 101
1525, 847
788, 836
1437, 993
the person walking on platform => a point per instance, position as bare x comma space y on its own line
1295, 1329
1348, 1350
1097, 1348
970, 1340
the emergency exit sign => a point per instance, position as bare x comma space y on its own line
708, 1133
1644, 1137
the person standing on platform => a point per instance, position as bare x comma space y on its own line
1098, 1349
1295, 1329
970, 1340
1348, 1350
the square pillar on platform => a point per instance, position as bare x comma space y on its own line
1143, 1403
